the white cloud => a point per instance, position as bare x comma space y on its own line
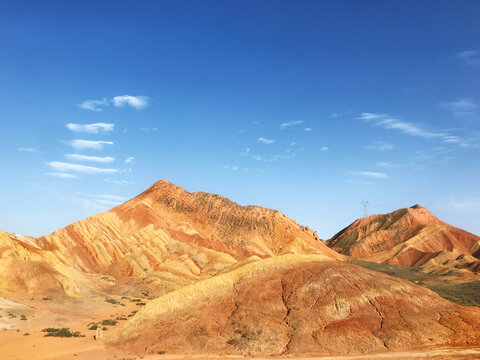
61, 175
90, 128
129, 159
149, 129
388, 122
370, 174
293, 143
266, 141
324, 148
28, 149
88, 144
93, 105
64, 167
452, 139
308, 129
385, 164
99, 159
469, 57
380, 146
137, 102
288, 154
290, 123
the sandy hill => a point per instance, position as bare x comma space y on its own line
410, 237
297, 305
159, 241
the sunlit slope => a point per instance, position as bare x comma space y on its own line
410, 237
297, 304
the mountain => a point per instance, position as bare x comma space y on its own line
297, 305
157, 242
410, 237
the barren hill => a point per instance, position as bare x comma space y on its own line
297, 304
410, 237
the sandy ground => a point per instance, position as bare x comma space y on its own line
24, 339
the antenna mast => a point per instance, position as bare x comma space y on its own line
365, 208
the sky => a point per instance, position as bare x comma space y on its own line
307, 107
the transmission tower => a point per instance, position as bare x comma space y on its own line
365, 208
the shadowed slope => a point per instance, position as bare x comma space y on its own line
410, 237
296, 304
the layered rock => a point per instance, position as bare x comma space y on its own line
410, 237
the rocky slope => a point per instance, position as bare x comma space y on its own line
410, 237
297, 304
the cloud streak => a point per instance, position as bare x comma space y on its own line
380, 146
290, 123
93, 105
28, 149
90, 128
61, 175
469, 57
98, 159
88, 144
69, 167
266, 141
370, 174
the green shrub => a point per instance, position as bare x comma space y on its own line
61, 332
109, 322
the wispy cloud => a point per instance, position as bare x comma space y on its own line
90, 128
119, 182
469, 57
231, 167
457, 140
246, 152
370, 174
61, 175
389, 165
27, 149
290, 123
461, 107
388, 122
308, 129
324, 148
98, 159
149, 129
88, 144
137, 102
266, 141
66, 167
129, 159
380, 146
93, 105
288, 154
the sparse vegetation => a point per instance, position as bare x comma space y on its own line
161, 352
403, 272
23, 317
467, 293
141, 304
93, 327
109, 322
61, 332
232, 342
114, 302
47, 299
26, 334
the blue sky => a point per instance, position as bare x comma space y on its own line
307, 107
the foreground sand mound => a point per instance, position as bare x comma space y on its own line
295, 304
410, 237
